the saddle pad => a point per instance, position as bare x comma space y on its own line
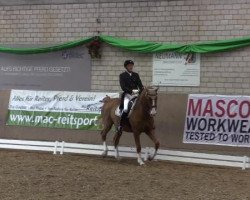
118, 112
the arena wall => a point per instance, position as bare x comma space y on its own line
169, 120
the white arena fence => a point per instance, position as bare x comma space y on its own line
168, 155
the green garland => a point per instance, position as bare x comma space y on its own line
202, 47
59, 47
141, 46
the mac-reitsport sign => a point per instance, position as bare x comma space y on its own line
56, 109
175, 69
67, 70
218, 120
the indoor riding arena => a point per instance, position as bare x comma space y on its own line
187, 135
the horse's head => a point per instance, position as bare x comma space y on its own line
151, 95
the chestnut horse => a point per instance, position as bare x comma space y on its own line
140, 120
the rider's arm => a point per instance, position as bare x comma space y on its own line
123, 85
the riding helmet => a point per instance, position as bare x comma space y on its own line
127, 62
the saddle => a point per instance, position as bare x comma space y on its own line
131, 105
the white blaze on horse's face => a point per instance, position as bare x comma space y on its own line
152, 94
153, 111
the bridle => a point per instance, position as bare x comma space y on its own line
151, 92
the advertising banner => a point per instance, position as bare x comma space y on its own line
56, 109
47, 71
218, 120
175, 69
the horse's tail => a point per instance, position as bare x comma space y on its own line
100, 120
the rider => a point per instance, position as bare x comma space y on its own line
131, 85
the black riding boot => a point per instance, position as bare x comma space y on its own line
122, 120
122, 101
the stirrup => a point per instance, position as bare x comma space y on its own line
119, 130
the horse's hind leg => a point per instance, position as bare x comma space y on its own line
104, 133
117, 137
116, 142
151, 135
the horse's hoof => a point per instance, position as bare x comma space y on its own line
104, 154
150, 158
141, 163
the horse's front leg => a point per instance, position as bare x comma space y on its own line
138, 148
151, 135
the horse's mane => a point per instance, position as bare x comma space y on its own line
143, 100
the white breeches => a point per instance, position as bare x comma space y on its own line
126, 101
127, 98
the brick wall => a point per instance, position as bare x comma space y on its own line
169, 21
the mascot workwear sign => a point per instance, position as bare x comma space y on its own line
218, 119
55, 109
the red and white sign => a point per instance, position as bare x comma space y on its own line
218, 120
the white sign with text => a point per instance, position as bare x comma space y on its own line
175, 69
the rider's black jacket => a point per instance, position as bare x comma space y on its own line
129, 82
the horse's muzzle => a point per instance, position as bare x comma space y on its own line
153, 112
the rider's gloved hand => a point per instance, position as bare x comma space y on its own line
135, 91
